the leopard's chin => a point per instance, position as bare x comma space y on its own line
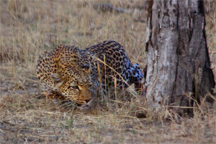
87, 104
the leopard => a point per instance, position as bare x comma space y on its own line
70, 73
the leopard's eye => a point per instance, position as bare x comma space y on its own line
73, 87
81, 83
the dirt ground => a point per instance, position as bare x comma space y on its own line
28, 28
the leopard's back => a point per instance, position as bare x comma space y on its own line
114, 63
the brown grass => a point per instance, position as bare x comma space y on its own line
28, 28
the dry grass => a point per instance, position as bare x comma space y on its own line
28, 28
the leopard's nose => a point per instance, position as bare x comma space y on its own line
87, 100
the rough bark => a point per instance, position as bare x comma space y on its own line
178, 63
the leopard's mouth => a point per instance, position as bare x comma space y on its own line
84, 98
86, 105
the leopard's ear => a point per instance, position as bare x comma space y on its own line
88, 55
86, 67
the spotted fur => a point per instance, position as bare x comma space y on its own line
70, 73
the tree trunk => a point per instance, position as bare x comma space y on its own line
178, 66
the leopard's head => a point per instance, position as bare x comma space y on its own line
66, 71
71, 78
